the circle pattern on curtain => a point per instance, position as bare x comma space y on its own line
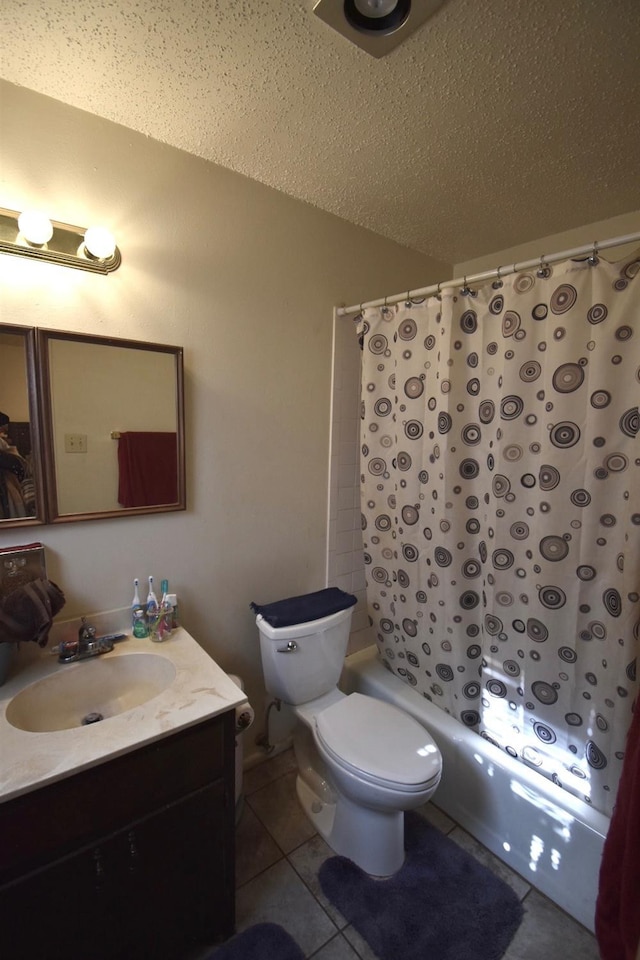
501, 510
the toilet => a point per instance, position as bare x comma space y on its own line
361, 762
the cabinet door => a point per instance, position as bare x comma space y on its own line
54, 914
183, 877
100, 879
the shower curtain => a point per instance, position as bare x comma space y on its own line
500, 493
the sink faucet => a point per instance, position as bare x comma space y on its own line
87, 645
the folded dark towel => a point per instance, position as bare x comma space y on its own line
27, 613
310, 606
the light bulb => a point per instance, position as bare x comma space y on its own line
99, 243
375, 8
35, 227
381, 17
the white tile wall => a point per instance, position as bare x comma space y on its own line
345, 566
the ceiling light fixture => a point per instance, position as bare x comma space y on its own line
31, 234
377, 16
376, 26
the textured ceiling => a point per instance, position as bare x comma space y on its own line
494, 123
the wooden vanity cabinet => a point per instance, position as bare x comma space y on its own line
131, 859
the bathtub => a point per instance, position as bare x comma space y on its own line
551, 838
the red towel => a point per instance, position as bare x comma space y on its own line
148, 465
618, 903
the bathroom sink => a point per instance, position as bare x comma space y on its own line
91, 690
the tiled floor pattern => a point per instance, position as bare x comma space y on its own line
279, 854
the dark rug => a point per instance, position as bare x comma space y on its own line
441, 905
264, 941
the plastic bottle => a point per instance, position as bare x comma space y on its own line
173, 600
138, 619
152, 612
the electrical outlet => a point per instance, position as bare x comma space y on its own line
75, 443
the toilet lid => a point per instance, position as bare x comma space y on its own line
379, 739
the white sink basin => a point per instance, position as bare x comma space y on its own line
90, 690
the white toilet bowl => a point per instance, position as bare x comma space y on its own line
361, 762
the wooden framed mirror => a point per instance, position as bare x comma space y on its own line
113, 426
22, 497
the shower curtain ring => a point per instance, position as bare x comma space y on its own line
594, 259
465, 289
542, 269
497, 283
407, 302
438, 291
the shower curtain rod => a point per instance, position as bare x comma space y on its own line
491, 274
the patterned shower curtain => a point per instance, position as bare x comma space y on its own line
500, 472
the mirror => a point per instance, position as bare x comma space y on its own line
21, 481
90, 427
112, 413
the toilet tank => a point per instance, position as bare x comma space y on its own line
303, 662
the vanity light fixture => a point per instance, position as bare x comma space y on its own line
376, 26
31, 234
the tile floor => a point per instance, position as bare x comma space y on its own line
279, 853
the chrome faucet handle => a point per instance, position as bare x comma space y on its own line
87, 631
100, 645
68, 651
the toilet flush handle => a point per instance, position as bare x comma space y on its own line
291, 647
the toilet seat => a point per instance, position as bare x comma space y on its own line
378, 743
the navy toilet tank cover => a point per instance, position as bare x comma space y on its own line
310, 606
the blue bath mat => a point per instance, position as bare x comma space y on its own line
264, 941
441, 905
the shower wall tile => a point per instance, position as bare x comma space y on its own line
358, 581
345, 520
348, 452
348, 498
343, 582
344, 542
347, 474
345, 565
348, 427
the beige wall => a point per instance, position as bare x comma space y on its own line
14, 398
245, 280
620, 226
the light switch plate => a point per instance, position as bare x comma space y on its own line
75, 443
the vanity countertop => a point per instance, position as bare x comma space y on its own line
200, 690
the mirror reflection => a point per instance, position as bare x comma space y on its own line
20, 483
113, 426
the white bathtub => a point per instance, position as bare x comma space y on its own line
551, 838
